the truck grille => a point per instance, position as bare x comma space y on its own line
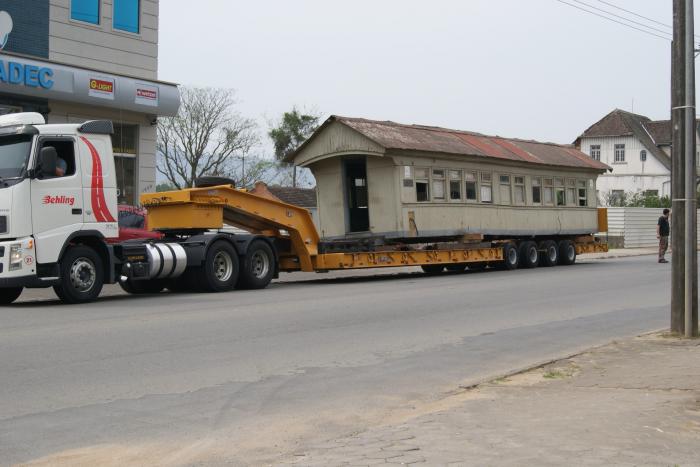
3, 224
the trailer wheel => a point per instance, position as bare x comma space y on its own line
567, 252
82, 275
458, 267
220, 270
529, 256
258, 267
142, 286
432, 269
511, 259
550, 255
9, 295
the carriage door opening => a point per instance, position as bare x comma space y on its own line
357, 200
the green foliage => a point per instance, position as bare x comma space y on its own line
638, 199
165, 187
291, 131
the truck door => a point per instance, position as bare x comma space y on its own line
57, 200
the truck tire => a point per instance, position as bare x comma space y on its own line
549, 255
219, 273
9, 295
82, 275
258, 266
567, 252
432, 269
458, 267
142, 286
210, 180
529, 256
511, 258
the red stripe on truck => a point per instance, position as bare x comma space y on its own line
97, 194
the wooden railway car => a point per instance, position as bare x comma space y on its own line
386, 180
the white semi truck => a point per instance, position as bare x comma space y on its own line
58, 207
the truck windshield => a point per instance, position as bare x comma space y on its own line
14, 155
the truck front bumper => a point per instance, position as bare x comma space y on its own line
18, 264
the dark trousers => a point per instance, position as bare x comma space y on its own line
663, 246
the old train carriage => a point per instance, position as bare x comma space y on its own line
384, 179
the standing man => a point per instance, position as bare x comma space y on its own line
663, 229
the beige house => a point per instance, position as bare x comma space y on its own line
391, 180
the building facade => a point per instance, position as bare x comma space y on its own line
637, 148
77, 60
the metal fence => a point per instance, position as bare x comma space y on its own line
634, 227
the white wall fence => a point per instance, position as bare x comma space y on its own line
635, 227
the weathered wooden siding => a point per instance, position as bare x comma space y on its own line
337, 140
102, 47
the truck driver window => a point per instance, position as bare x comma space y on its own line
65, 163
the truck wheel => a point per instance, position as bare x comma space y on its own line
511, 259
142, 286
433, 269
529, 256
567, 252
258, 266
9, 295
220, 270
459, 267
82, 275
550, 254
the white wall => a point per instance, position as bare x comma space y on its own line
636, 225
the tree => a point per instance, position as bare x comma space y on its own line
205, 137
290, 132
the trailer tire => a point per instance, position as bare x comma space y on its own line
457, 267
432, 269
511, 258
82, 275
567, 252
529, 256
258, 267
9, 295
219, 273
550, 253
142, 286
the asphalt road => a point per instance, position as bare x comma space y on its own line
244, 377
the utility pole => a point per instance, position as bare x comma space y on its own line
684, 278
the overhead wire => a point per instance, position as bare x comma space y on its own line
622, 17
640, 16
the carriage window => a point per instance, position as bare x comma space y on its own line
519, 191
455, 185
536, 191
571, 196
582, 195
422, 185
548, 191
438, 184
486, 190
470, 186
504, 189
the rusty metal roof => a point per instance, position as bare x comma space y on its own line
397, 136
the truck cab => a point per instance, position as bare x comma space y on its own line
57, 184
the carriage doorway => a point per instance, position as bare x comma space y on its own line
357, 201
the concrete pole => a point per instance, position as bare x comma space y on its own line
678, 169
690, 266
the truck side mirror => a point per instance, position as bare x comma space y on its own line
48, 158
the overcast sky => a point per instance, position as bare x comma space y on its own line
534, 69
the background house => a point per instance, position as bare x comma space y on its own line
303, 197
636, 147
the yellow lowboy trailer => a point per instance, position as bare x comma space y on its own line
299, 247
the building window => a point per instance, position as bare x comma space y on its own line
486, 190
643, 155
582, 195
126, 15
438, 184
422, 185
87, 11
548, 191
470, 186
504, 189
619, 153
519, 190
652, 193
455, 185
536, 191
124, 143
595, 151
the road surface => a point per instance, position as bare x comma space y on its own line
248, 376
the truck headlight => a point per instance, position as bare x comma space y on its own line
15, 256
